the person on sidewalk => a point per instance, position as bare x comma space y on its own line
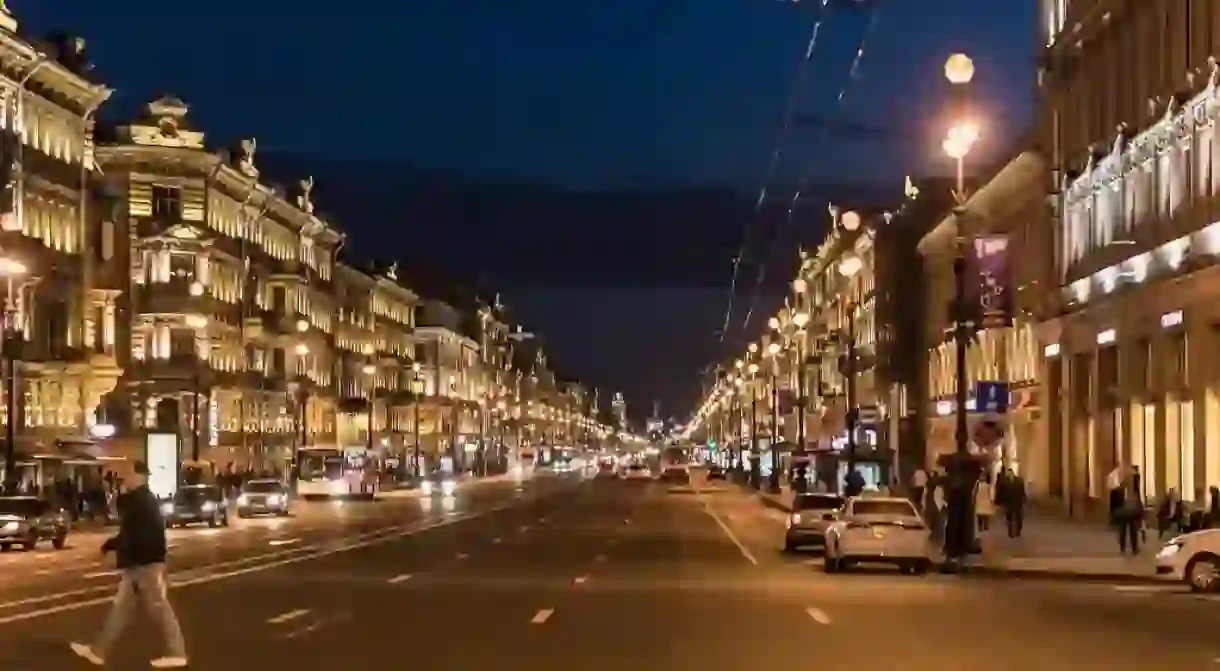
1213, 507
919, 480
1128, 515
1170, 514
140, 548
1010, 495
984, 503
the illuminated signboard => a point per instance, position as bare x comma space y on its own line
161, 455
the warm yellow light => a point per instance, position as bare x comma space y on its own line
12, 267
302, 349
799, 285
773, 323
959, 69
850, 265
753, 348
800, 319
740, 364
773, 348
369, 369
850, 220
367, 349
753, 368
302, 325
196, 321
415, 367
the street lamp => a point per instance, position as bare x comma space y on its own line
10, 269
849, 266
415, 394
370, 370
800, 320
962, 469
773, 350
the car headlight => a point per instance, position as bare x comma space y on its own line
208, 506
167, 509
448, 487
243, 500
12, 526
1169, 549
274, 500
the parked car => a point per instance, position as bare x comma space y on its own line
878, 530
26, 520
195, 504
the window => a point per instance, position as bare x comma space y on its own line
166, 201
279, 359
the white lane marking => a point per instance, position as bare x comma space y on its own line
581, 579
290, 615
599, 558
523, 528
101, 574
542, 615
300, 554
818, 615
462, 555
495, 541
745, 552
284, 541
399, 578
542, 520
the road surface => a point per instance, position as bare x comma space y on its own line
609, 575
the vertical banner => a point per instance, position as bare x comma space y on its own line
989, 280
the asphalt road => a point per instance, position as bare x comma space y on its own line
601, 575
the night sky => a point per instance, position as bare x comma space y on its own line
596, 159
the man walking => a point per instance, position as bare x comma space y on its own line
140, 548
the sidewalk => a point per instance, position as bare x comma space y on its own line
1050, 547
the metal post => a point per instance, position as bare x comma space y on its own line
849, 369
800, 393
773, 481
961, 342
417, 469
10, 406
195, 418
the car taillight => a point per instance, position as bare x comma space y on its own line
796, 518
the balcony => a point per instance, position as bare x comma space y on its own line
172, 297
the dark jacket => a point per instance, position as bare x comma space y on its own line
141, 537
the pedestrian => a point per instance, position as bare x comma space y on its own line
1213, 507
1128, 507
984, 503
140, 550
919, 480
1170, 513
1010, 495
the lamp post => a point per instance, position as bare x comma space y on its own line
12, 338
753, 370
800, 319
849, 266
773, 482
416, 468
962, 468
370, 375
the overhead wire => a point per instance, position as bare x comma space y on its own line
795, 90
853, 74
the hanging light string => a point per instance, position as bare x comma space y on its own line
853, 74
795, 91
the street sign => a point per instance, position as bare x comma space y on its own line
991, 397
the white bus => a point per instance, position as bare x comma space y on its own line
326, 472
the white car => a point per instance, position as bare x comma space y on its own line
878, 530
1192, 558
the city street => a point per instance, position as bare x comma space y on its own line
606, 574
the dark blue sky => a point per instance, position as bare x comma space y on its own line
583, 94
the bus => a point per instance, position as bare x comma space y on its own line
327, 472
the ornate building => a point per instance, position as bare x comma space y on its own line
1129, 332
60, 312
230, 301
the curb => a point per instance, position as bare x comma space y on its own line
1001, 573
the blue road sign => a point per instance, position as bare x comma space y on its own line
991, 396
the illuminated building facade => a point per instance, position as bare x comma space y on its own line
1130, 334
63, 313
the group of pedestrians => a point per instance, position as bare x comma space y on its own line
1128, 510
1003, 493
